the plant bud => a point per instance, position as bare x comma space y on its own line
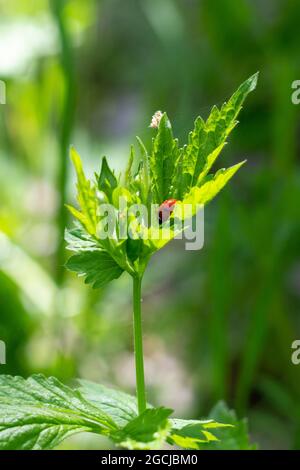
156, 119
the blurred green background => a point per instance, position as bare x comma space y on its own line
218, 323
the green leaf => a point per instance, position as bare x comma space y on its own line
146, 431
107, 181
38, 413
121, 193
180, 180
120, 406
86, 196
208, 190
134, 248
98, 267
79, 240
144, 172
186, 209
162, 160
192, 434
128, 171
208, 137
149, 430
233, 438
209, 163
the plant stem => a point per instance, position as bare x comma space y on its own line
138, 345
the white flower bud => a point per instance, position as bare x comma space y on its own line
156, 119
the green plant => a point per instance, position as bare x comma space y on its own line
40, 412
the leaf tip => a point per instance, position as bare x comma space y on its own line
253, 81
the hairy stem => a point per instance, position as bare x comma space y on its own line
138, 345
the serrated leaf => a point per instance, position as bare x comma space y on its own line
162, 160
38, 413
208, 136
208, 190
149, 430
86, 196
107, 181
233, 438
192, 434
98, 267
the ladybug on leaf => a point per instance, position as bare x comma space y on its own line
166, 209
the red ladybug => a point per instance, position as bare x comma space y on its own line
166, 209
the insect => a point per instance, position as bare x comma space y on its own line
166, 209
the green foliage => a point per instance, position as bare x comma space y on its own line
167, 171
79, 240
39, 413
211, 187
193, 434
107, 181
162, 159
212, 434
227, 318
149, 430
86, 196
208, 138
88, 263
235, 437
121, 406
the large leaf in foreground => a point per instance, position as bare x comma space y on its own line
121, 406
146, 431
38, 413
